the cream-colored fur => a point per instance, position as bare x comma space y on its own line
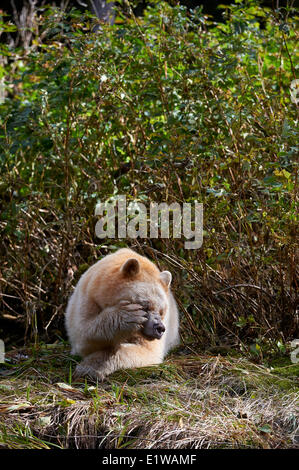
105, 314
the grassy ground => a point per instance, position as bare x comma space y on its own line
187, 402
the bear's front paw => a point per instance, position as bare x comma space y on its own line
132, 316
87, 371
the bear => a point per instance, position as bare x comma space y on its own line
122, 314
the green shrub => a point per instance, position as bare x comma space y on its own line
170, 107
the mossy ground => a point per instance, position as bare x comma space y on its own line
187, 402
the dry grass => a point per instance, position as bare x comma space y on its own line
188, 402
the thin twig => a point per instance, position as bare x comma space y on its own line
242, 285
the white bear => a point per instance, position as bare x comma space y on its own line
122, 314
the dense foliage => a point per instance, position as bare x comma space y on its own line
170, 107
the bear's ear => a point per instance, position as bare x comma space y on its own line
166, 278
131, 267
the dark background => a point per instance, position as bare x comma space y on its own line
209, 7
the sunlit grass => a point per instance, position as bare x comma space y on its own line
189, 401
